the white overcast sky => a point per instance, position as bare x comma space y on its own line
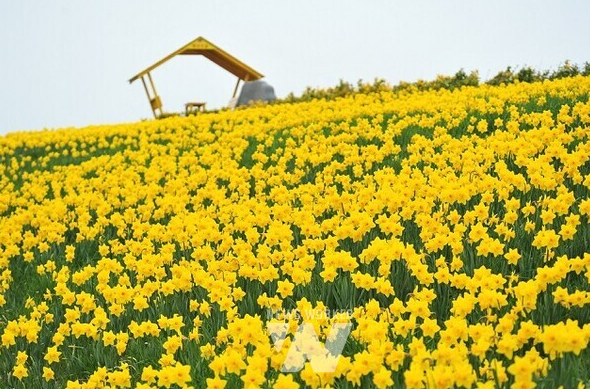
66, 62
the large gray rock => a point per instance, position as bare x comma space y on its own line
253, 91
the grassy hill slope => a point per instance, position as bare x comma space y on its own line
449, 228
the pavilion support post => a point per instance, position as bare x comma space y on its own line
152, 84
147, 92
236, 88
154, 99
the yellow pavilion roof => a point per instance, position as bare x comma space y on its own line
201, 46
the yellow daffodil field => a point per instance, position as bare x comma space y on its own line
440, 238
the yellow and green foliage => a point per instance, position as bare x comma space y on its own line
450, 228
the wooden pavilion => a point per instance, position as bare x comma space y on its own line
199, 46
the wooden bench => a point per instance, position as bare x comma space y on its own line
194, 107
